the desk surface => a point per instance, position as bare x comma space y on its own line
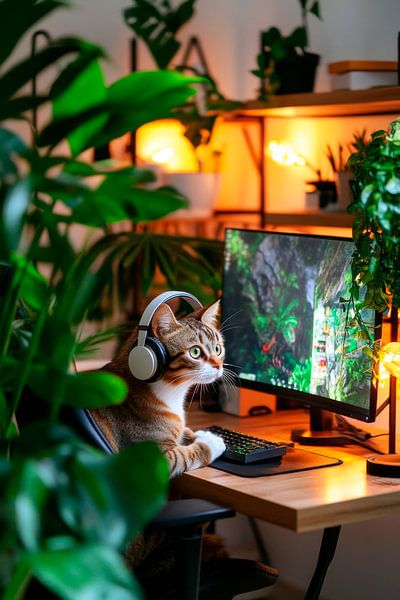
302, 501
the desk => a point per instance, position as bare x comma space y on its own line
323, 498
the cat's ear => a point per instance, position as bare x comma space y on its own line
163, 321
210, 315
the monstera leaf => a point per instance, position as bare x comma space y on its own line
157, 23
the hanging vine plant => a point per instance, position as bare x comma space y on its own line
376, 229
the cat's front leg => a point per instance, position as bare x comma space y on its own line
215, 443
200, 453
189, 436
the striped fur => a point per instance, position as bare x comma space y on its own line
156, 411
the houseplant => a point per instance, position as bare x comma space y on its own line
341, 170
63, 506
376, 228
284, 65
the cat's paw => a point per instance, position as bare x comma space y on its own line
215, 444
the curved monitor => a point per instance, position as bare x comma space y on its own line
288, 323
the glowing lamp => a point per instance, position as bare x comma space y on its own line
390, 358
163, 143
388, 465
161, 156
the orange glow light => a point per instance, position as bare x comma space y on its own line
162, 142
285, 155
390, 358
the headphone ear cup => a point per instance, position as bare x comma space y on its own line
148, 363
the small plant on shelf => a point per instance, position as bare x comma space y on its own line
284, 64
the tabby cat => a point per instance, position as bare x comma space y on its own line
155, 411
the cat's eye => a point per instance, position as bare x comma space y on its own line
218, 349
195, 351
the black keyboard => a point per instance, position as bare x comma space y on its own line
242, 448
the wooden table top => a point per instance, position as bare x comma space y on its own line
300, 501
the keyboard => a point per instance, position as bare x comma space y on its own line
244, 449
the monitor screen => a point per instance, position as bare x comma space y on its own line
288, 328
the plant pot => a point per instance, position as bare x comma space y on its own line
200, 188
343, 180
326, 191
297, 73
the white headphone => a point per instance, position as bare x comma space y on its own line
148, 359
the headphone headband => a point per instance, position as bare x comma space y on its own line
151, 308
148, 359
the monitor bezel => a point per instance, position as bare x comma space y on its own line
313, 400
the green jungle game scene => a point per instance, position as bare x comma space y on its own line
284, 321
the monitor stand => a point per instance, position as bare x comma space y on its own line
328, 429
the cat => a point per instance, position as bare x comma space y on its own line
156, 411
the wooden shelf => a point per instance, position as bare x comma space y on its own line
373, 101
321, 218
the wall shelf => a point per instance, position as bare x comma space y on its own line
373, 101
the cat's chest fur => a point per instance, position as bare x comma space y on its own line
172, 397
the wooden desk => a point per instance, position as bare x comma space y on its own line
324, 498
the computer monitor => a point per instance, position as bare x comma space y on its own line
287, 319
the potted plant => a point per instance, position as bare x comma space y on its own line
63, 505
157, 24
376, 229
341, 169
284, 65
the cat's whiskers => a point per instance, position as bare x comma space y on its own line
229, 318
232, 365
229, 379
230, 327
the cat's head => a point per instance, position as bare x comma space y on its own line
194, 344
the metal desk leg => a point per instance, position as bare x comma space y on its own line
326, 554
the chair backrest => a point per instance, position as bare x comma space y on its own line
81, 420
93, 431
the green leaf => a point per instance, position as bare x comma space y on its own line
298, 38
93, 390
19, 579
393, 185
142, 97
14, 211
88, 53
14, 23
4, 413
86, 572
19, 75
84, 390
86, 91
158, 25
29, 503
11, 145
315, 10
138, 477
116, 199
34, 286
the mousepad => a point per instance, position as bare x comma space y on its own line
294, 460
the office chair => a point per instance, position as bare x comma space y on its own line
190, 579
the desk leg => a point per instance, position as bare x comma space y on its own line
326, 553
